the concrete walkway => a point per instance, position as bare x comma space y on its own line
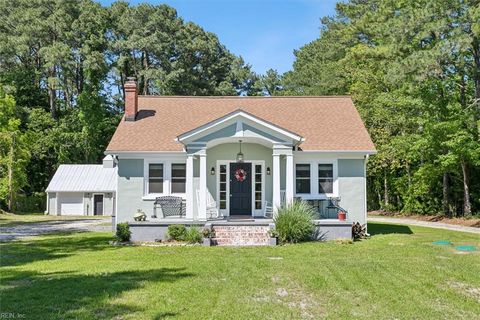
39, 228
429, 224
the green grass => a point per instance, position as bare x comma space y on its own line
397, 274
9, 219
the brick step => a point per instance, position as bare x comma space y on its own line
253, 235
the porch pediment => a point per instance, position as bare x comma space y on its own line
240, 125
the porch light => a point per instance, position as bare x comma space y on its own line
212, 171
240, 154
268, 171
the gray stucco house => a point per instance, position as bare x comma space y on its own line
229, 157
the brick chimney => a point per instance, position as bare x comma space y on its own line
131, 99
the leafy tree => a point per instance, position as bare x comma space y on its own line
412, 68
14, 154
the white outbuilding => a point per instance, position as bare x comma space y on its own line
83, 189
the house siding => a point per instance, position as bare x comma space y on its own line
351, 179
130, 190
52, 203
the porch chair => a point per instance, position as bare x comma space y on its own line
170, 206
267, 210
212, 209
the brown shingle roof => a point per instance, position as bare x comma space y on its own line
327, 123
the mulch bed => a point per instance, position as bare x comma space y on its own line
467, 222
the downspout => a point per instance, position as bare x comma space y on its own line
365, 189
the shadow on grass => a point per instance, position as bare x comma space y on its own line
79, 296
52, 246
384, 228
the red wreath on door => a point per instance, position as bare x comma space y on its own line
240, 175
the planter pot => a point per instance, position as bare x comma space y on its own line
207, 242
272, 241
342, 216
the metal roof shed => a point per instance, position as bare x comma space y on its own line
82, 190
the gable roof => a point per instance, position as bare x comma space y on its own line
239, 116
329, 123
83, 178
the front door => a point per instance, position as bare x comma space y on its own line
98, 204
240, 189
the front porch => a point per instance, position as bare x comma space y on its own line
236, 232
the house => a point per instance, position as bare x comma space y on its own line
232, 157
83, 189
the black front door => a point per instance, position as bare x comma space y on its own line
98, 204
240, 189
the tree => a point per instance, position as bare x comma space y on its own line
13, 151
412, 68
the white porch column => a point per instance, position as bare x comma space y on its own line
276, 200
202, 207
190, 193
289, 183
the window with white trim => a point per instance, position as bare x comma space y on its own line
155, 178
302, 178
258, 187
179, 177
325, 178
223, 186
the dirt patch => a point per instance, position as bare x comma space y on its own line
467, 222
466, 289
294, 297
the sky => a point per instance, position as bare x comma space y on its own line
264, 32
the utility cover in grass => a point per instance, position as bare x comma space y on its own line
465, 248
442, 242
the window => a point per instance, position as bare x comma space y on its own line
155, 178
325, 178
178, 177
223, 186
258, 187
302, 178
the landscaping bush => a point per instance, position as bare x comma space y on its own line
194, 235
33, 203
177, 232
293, 222
123, 232
359, 231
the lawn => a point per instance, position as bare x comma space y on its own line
397, 274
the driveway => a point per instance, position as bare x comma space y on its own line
40, 228
430, 224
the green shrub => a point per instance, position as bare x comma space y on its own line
194, 235
177, 232
293, 222
123, 232
33, 203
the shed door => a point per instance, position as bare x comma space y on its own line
70, 204
98, 204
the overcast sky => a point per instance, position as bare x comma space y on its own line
263, 32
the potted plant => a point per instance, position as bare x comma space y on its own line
207, 233
273, 234
342, 215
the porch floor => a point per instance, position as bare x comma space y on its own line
230, 221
